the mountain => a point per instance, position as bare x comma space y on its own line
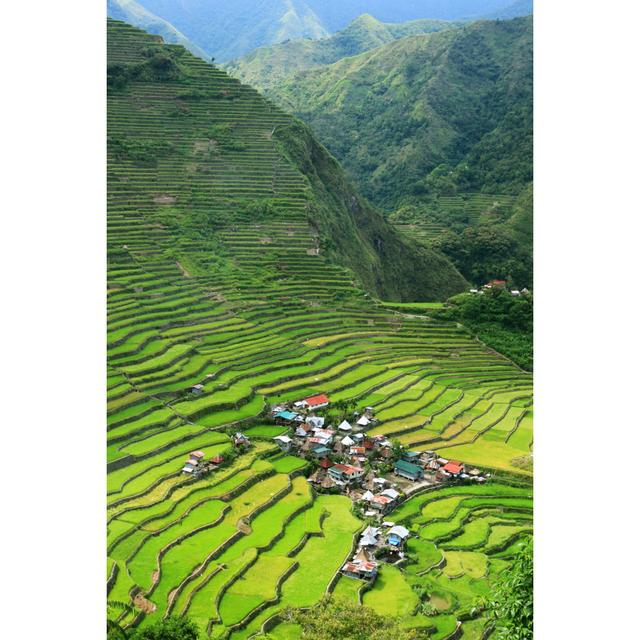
516, 10
336, 14
427, 113
229, 30
268, 66
136, 15
225, 161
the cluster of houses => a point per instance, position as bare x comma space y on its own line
197, 465
388, 541
499, 284
413, 465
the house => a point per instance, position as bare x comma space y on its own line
314, 440
325, 463
453, 468
369, 537
197, 389
302, 430
216, 460
325, 434
320, 452
187, 468
344, 426
284, 417
515, 292
499, 284
284, 442
396, 536
390, 493
347, 441
357, 451
240, 440
315, 421
317, 402
411, 456
362, 566
346, 473
381, 503
367, 496
366, 571
408, 470
363, 421
370, 443
198, 455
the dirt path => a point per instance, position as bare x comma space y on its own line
185, 273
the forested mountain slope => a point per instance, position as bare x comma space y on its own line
265, 67
229, 30
428, 110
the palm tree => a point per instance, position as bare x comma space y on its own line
114, 629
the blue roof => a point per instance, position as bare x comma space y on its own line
286, 415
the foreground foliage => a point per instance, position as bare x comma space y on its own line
334, 618
512, 599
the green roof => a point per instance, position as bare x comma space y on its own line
407, 467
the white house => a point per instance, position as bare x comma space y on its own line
344, 426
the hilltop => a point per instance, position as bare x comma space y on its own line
229, 30
266, 67
403, 116
135, 14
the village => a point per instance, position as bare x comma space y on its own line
376, 474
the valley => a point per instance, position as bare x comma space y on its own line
245, 270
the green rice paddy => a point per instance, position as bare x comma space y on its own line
214, 279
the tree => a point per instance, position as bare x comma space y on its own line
336, 618
172, 628
511, 602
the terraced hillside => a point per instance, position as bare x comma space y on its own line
462, 538
220, 214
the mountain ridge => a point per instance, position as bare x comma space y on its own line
348, 231
268, 66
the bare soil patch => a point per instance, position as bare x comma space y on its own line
164, 198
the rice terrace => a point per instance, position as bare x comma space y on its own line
290, 414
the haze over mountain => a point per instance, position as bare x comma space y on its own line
135, 14
267, 66
229, 30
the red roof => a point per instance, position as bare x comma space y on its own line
314, 401
497, 282
452, 467
347, 468
217, 459
325, 463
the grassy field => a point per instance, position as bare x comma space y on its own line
214, 278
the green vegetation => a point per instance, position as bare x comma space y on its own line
135, 14
502, 321
267, 67
214, 279
511, 600
445, 112
333, 618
